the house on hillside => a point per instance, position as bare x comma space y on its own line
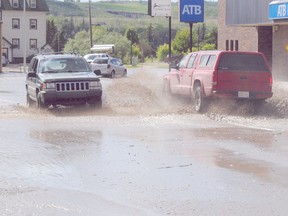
15, 35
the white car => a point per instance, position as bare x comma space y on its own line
90, 57
110, 67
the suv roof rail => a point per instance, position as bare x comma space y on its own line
59, 53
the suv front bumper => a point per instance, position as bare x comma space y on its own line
70, 98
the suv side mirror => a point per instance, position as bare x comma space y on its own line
97, 72
31, 74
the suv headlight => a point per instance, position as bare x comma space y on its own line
48, 86
95, 84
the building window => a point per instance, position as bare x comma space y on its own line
227, 45
15, 3
16, 43
33, 44
33, 3
236, 45
0, 14
33, 24
15, 23
231, 45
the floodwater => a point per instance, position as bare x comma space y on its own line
142, 154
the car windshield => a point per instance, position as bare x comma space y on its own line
91, 57
100, 61
63, 65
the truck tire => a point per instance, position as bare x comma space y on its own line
166, 89
198, 99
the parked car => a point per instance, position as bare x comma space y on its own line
4, 61
226, 74
61, 79
90, 57
110, 67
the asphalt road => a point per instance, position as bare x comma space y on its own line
140, 154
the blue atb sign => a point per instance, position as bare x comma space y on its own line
278, 10
191, 10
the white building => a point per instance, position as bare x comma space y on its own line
19, 35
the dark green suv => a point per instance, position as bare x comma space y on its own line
62, 79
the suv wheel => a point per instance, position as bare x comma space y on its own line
40, 105
198, 99
29, 101
97, 103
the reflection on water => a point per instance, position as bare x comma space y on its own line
63, 137
242, 164
259, 138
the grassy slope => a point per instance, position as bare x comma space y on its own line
99, 13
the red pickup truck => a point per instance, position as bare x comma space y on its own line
226, 74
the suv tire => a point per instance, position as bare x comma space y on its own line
29, 101
40, 105
96, 103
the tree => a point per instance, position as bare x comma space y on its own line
50, 34
150, 34
181, 41
163, 52
132, 35
81, 42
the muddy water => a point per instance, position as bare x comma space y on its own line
142, 154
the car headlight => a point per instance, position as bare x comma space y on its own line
48, 86
95, 84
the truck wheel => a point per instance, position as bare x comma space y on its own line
166, 89
198, 99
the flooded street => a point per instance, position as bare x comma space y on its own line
142, 154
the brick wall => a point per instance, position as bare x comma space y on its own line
247, 37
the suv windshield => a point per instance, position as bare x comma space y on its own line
62, 65
244, 62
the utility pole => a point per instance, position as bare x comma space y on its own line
24, 37
90, 26
1, 45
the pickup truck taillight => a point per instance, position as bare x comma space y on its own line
270, 81
214, 80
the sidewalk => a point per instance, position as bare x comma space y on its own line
13, 68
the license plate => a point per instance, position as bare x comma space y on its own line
243, 94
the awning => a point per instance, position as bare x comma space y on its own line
278, 10
109, 48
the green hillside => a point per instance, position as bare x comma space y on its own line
100, 14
